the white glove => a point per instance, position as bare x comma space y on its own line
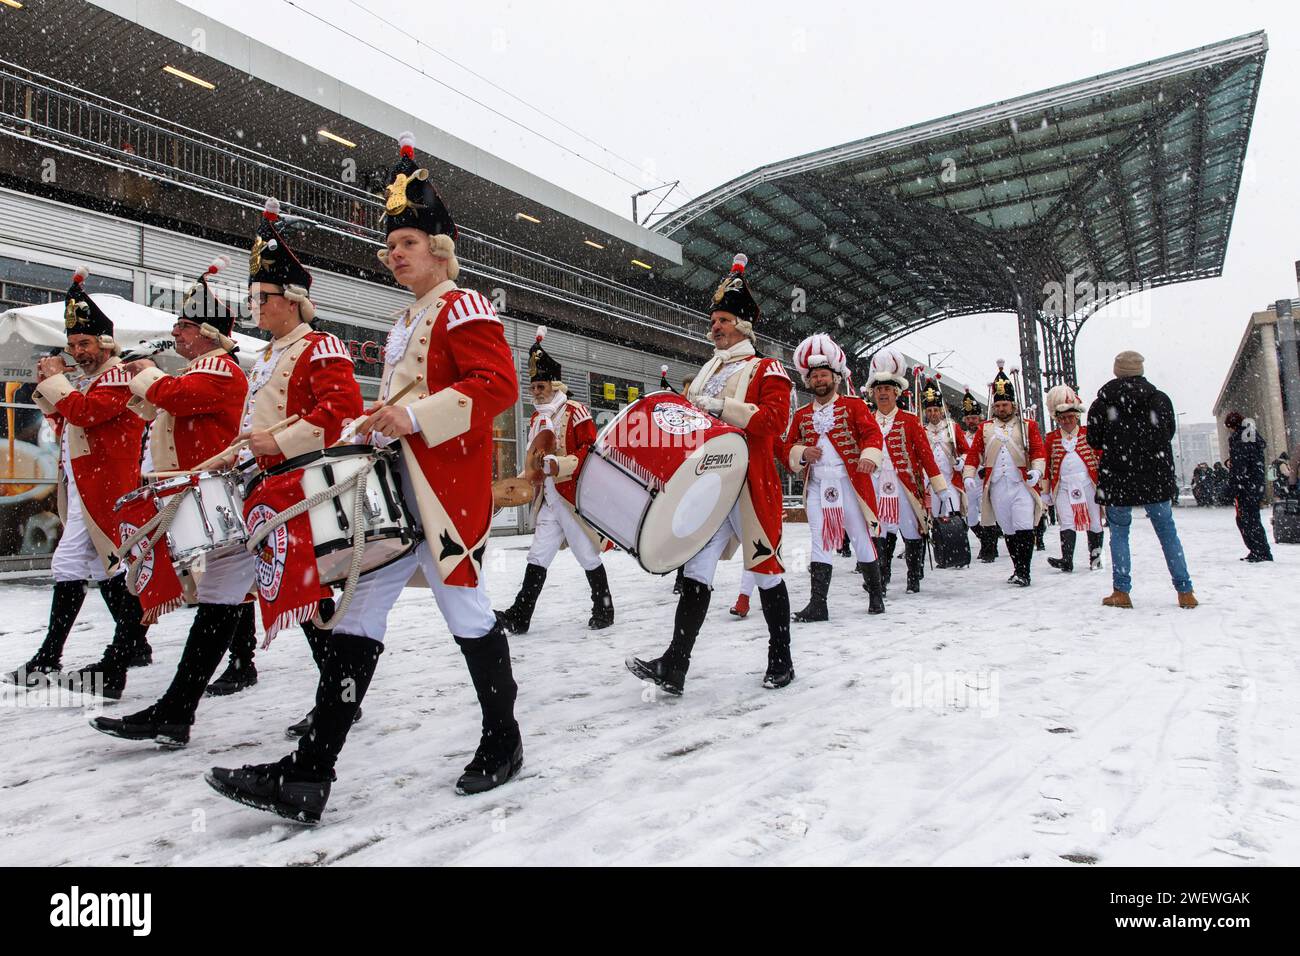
1033, 476
713, 406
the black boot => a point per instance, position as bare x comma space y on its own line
982, 536
298, 786
500, 752
318, 640
1066, 561
677, 581
846, 550
173, 715
871, 583
776, 611
821, 585
602, 602
885, 552
107, 676
519, 616
1095, 539
66, 604
669, 671
241, 672
1021, 547
914, 552
1040, 533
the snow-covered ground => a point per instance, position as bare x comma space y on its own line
973, 724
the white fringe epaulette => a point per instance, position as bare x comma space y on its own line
330, 346
470, 306
210, 366
117, 375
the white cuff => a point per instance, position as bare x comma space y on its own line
415, 423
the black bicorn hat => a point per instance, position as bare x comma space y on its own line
969, 406
733, 295
81, 314
202, 305
1003, 390
271, 260
931, 394
410, 200
541, 367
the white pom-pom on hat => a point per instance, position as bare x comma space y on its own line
541, 332
217, 264
739, 262
272, 209
1001, 363
406, 138
82, 273
663, 369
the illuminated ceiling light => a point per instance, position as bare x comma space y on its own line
12, 3
643, 265
594, 245
338, 139
524, 215
189, 76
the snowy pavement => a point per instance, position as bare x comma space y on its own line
973, 724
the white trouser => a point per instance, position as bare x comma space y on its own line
704, 565
227, 579
75, 557
907, 525
1066, 498
748, 581
1013, 505
974, 499
556, 524
864, 549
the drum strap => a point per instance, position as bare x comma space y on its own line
358, 481
162, 521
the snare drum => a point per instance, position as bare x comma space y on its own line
390, 530
209, 520
661, 479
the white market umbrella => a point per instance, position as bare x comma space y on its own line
29, 332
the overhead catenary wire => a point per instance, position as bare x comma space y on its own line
509, 119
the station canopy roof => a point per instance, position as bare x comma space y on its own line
1127, 178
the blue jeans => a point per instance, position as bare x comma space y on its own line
1162, 519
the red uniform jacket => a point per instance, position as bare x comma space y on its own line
104, 444
909, 450
196, 413
465, 377
1034, 459
854, 435
313, 379
763, 412
571, 447
1056, 454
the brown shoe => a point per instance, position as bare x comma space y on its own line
1187, 600
1117, 599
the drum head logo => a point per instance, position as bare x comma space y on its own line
680, 419
124, 531
271, 553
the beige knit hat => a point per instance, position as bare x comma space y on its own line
1129, 364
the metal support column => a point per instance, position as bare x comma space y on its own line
1290, 361
1032, 376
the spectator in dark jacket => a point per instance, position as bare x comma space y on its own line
1222, 485
1246, 464
1132, 424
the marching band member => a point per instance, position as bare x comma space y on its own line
556, 523
836, 442
1008, 453
99, 462
195, 414
451, 344
971, 420
751, 393
1071, 478
948, 445
906, 464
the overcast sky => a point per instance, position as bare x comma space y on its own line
702, 92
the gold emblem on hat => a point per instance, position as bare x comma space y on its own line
729, 284
397, 201
75, 313
255, 256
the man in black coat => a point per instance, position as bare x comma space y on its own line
1246, 468
1132, 424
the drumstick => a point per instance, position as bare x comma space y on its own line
360, 423
237, 446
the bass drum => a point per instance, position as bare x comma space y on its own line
661, 479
